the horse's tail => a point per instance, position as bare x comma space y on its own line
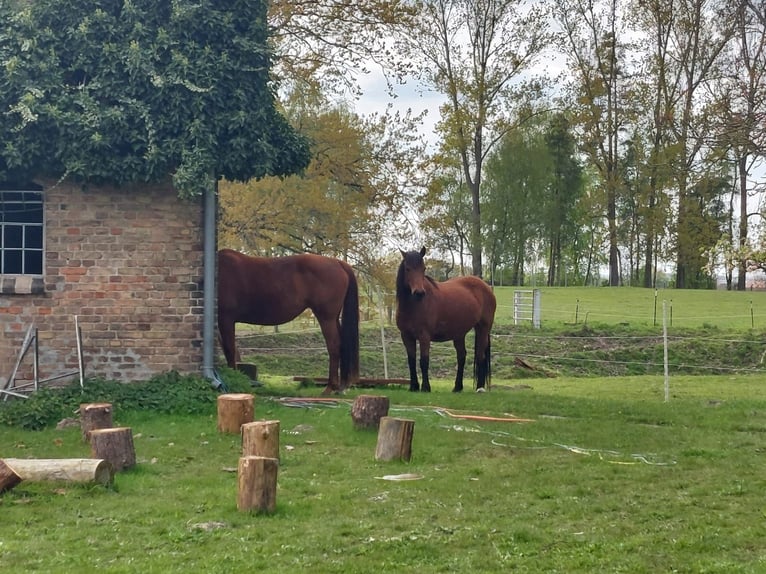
349, 332
482, 368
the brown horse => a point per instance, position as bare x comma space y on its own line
429, 310
273, 291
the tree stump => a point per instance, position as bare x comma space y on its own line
114, 445
394, 439
8, 477
261, 438
257, 484
367, 411
95, 416
234, 410
62, 469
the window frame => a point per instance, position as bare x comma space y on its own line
22, 263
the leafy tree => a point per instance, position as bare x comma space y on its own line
595, 49
700, 30
563, 192
740, 108
518, 175
120, 92
345, 201
324, 47
445, 214
475, 52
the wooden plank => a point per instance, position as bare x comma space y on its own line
363, 381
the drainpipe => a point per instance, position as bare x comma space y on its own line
209, 274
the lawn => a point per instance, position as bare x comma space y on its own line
609, 477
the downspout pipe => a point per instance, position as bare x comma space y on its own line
209, 286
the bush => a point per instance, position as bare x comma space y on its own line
170, 393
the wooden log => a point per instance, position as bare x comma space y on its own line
261, 438
62, 469
234, 410
95, 416
8, 477
257, 484
114, 445
394, 439
367, 411
363, 381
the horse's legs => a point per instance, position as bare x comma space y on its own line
480, 357
461, 354
331, 331
425, 355
410, 346
228, 341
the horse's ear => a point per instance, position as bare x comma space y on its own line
422, 251
404, 253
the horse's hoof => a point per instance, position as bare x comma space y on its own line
414, 389
457, 390
481, 390
425, 390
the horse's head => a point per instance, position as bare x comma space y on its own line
411, 278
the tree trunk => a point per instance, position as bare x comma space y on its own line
62, 469
8, 478
261, 438
257, 484
114, 445
95, 416
367, 411
394, 439
234, 410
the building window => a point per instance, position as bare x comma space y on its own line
21, 230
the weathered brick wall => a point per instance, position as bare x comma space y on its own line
128, 263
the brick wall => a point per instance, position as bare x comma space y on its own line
128, 264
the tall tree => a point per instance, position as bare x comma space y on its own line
475, 52
655, 93
593, 43
113, 92
741, 105
518, 173
563, 191
700, 32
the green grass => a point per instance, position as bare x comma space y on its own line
635, 306
608, 478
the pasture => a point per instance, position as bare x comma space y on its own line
606, 477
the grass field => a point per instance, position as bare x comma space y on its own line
607, 477
636, 306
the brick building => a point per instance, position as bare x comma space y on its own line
127, 262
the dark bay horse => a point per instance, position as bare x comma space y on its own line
429, 310
275, 290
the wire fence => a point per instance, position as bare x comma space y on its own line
525, 352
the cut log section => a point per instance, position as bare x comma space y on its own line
257, 484
394, 439
62, 469
114, 445
367, 411
234, 410
8, 478
95, 416
261, 438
